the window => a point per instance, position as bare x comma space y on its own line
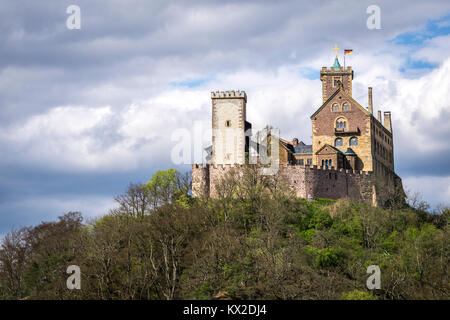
336, 81
228, 123
309, 161
341, 124
345, 106
335, 107
326, 163
354, 141
338, 142
300, 161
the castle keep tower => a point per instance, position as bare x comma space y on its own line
332, 77
228, 127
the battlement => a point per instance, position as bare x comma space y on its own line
286, 166
333, 70
217, 166
199, 166
229, 94
326, 168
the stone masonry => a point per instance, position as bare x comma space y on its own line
306, 181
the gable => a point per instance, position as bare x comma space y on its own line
328, 149
340, 91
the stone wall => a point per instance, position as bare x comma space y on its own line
306, 181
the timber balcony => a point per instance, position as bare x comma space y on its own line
347, 131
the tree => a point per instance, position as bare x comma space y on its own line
167, 186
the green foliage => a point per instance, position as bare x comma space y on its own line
358, 295
326, 258
255, 241
166, 186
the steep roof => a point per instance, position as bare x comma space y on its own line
341, 91
300, 148
303, 148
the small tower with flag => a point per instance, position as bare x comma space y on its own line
336, 75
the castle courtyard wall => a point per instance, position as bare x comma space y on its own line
306, 181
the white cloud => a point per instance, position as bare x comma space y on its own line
84, 138
89, 138
436, 50
435, 190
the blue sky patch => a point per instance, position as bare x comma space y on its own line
416, 39
310, 73
432, 29
191, 83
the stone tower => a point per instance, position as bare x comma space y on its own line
228, 127
333, 76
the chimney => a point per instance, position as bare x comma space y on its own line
387, 120
295, 141
379, 116
370, 101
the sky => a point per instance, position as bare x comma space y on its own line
84, 112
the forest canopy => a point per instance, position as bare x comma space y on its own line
255, 241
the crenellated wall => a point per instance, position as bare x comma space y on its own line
306, 181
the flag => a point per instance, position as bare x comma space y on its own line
348, 51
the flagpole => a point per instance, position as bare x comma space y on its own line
344, 59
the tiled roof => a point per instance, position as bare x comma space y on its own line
300, 148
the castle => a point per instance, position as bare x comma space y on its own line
351, 155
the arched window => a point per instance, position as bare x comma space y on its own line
228, 123
330, 162
335, 107
341, 123
323, 162
354, 141
345, 106
338, 142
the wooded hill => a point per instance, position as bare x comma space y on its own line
256, 241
